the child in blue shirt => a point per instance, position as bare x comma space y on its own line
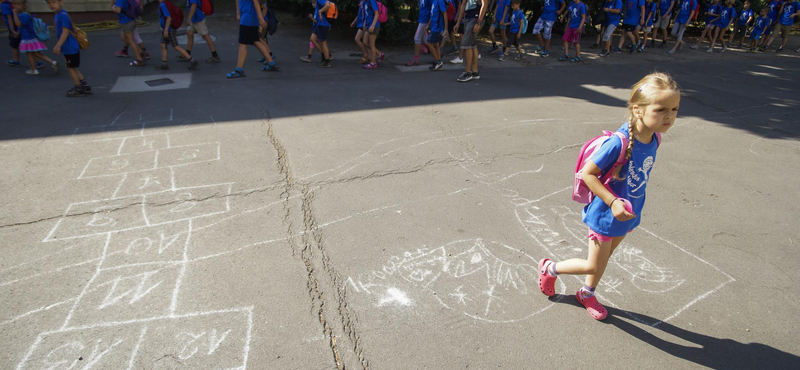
685, 13
500, 16
423, 24
650, 8
632, 23
67, 45
550, 12
759, 27
712, 15
774, 7
248, 12
652, 110
612, 9
30, 45
515, 22
726, 15
7, 11
197, 24
741, 25
789, 10
371, 28
665, 9
577, 17
168, 37
128, 26
438, 27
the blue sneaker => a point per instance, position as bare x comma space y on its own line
237, 73
13, 63
270, 67
544, 53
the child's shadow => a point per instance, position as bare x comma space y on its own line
713, 352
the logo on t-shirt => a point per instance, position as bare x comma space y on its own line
636, 182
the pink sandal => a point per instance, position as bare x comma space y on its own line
546, 282
594, 307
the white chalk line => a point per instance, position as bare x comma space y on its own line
174, 304
83, 292
136, 348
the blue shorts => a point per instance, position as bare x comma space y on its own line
497, 25
321, 32
434, 38
755, 36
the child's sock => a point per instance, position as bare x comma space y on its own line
214, 54
84, 83
309, 56
551, 269
587, 291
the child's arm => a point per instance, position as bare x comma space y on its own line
589, 175
561, 10
641, 15
261, 22
165, 30
583, 19
238, 14
61, 40
192, 9
375, 18
444, 16
505, 14
16, 19
10, 19
459, 15
671, 5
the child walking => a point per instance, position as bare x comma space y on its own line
759, 27
515, 22
652, 109
168, 37
726, 15
68, 46
438, 28
683, 18
423, 24
550, 12
371, 28
250, 19
577, 17
712, 16
29, 44
197, 24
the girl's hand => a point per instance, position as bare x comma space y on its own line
166, 34
477, 28
619, 212
371, 29
262, 23
445, 34
57, 49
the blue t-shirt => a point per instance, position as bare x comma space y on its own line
517, 18
26, 27
788, 11
687, 7
437, 20
8, 10
576, 11
725, 17
163, 13
424, 11
370, 11
633, 12
550, 9
649, 14
198, 15
360, 15
248, 13
759, 25
774, 8
70, 45
613, 18
663, 7
502, 6
635, 174
711, 12
744, 16
122, 5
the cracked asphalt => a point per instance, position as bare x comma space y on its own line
389, 219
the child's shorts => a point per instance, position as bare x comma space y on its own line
200, 28
248, 35
711, 26
630, 27
648, 29
171, 39
661, 22
755, 36
572, 35
128, 27
512, 40
374, 30
434, 38
739, 29
594, 235
609, 31
547, 26
785, 29
73, 60
322, 33
497, 25
419, 36
14, 42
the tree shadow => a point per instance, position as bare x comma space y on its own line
711, 352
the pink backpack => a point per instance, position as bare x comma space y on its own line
383, 13
581, 192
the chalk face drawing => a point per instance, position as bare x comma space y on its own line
129, 310
485, 280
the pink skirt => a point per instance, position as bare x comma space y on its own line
31, 46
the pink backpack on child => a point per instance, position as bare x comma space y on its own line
383, 13
581, 192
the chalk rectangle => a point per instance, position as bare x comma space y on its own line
128, 118
105, 133
91, 218
144, 143
162, 244
188, 154
187, 203
145, 182
119, 164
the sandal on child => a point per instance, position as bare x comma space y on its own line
563, 58
575, 60
594, 307
546, 282
363, 61
138, 63
236, 74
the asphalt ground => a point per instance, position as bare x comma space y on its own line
389, 219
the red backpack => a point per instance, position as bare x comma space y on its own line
451, 11
207, 7
176, 15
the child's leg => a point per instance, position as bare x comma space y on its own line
325, 52
164, 57
437, 53
360, 43
182, 52
503, 36
474, 52
491, 36
577, 49
785, 36
128, 37
310, 49
242, 56
43, 57
541, 41
189, 39
210, 43
315, 42
566, 48
31, 61
138, 39
714, 38
263, 48
601, 262
75, 75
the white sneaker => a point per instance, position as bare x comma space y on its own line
457, 60
479, 56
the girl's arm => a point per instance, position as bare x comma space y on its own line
16, 19
257, 7
482, 14
238, 13
444, 16
375, 18
563, 5
589, 175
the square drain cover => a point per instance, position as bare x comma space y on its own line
159, 82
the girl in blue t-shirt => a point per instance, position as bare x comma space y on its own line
726, 15
712, 15
616, 208
29, 44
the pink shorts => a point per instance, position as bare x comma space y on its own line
572, 35
594, 235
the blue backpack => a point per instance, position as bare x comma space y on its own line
41, 30
133, 10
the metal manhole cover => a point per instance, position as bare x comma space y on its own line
159, 82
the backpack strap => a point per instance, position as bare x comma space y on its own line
658, 139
